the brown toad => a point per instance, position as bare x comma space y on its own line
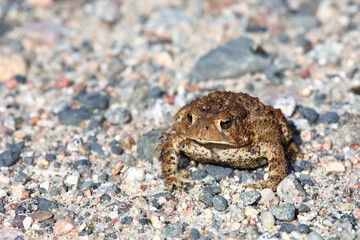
232, 129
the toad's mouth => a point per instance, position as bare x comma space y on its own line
215, 142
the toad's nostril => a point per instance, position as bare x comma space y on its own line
207, 127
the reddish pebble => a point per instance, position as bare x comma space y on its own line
25, 195
18, 221
13, 234
41, 216
14, 206
63, 82
143, 187
170, 99
305, 73
354, 146
64, 226
12, 83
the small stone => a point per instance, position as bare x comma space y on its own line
117, 150
172, 230
284, 64
303, 228
155, 92
18, 221
219, 172
250, 211
283, 212
41, 216
134, 175
237, 215
267, 195
234, 59
19, 134
94, 100
84, 162
117, 168
11, 65
164, 59
194, 234
308, 113
207, 198
274, 75
28, 221
29, 160
267, 219
72, 179
334, 167
250, 197
96, 148
147, 144
50, 157
46, 205
314, 236
287, 105
106, 197
43, 34
126, 220
290, 190
303, 208
13, 234
220, 203
118, 116
10, 122
116, 66
303, 43
199, 175
213, 189
329, 117
73, 117
306, 136
287, 227
9, 157
305, 180
64, 226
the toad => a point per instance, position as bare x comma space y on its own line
230, 129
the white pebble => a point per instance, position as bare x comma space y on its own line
267, 219
4, 180
335, 167
72, 179
251, 212
135, 175
28, 221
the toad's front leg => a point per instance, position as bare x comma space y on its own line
171, 157
274, 153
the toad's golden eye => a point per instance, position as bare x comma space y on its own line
189, 116
226, 123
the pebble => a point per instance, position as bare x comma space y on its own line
118, 116
284, 64
97, 148
334, 167
18, 221
287, 105
267, 195
127, 220
28, 221
41, 216
250, 197
220, 203
155, 92
43, 33
329, 117
9, 157
46, 205
287, 227
303, 208
267, 219
199, 175
194, 234
274, 75
237, 215
116, 66
290, 190
303, 228
134, 175
250, 211
233, 59
63, 226
219, 172
73, 117
283, 212
11, 65
13, 234
118, 150
207, 198
147, 144
93, 100
172, 230
72, 179
10, 122
308, 113
314, 236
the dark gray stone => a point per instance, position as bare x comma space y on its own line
250, 197
18, 221
287, 227
127, 220
94, 100
9, 157
155, 92
220, 203
234, 59
82, 163
117, 150
303, 228
329, 117
95, 147
303, 208
74, 117
46, 205
147, 144
283, 212
116, 66
213, 189
308, 113
305, 180
50, 157
199, 175
106, 197
207, 199
194, 234
219, 172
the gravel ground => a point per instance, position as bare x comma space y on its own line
87, 86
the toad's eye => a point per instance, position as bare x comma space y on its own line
226, 123
189, 116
